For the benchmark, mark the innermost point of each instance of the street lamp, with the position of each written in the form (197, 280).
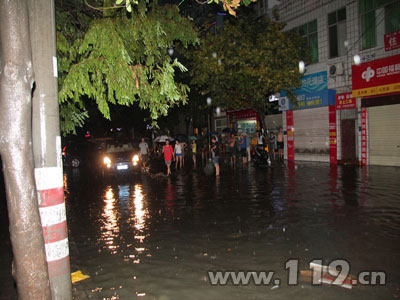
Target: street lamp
(357, 59)
(301, 66)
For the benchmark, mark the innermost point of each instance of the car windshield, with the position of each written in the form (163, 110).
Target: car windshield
(118, 147)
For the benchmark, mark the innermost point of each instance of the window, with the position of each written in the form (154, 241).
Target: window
(248, 126)
(220, 124)
(392, 17)
(376, 14)
(337, 33)
(309, 32)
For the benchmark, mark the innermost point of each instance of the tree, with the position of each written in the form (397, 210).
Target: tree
(123, 58)
(16, 82)
(229, 5)
(16, 89)
(249, 60)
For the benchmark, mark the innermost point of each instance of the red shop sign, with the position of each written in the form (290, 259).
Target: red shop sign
(381, 76)
(392, 41)
(364, 147)
(243, 114)
(345, 101)
(290, 134)
(332, 135)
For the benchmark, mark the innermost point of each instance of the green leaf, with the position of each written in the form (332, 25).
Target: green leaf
(122, 60)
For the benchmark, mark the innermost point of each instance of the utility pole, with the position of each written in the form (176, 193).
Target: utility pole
(47, 147)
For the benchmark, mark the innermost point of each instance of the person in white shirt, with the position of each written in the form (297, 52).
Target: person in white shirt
(178, 154)
(144, 152)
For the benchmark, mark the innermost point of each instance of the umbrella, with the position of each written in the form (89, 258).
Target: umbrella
(182, 138)
(192, 137)
(162, 138)
(229, 130)
(212, 133)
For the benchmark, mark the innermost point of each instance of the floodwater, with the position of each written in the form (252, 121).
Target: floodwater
(156, 237)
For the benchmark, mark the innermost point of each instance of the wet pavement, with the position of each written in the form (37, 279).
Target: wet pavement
(155, 237)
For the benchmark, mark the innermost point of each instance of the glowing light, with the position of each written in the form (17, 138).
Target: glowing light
(302, 67)
(139, 211)
(135, 158)
(107, 160)
(65, 180)
(110, 227)
(109, 194)
(170, 51)
(218, 111)
(209, 100)
(357, 59)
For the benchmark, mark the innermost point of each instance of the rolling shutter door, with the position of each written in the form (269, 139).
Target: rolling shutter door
(384, 136)
(311, 135)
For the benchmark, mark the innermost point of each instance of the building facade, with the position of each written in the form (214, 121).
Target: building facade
(348, 108)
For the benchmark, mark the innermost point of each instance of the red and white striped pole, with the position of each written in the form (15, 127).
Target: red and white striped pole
(47, 146)
(50, 187)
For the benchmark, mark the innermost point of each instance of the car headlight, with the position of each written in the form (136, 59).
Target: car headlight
(107, 160)
(135, 158)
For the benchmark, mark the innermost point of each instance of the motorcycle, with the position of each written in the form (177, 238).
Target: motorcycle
(261, 156)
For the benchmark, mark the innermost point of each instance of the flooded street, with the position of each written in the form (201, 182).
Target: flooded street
(156, 237)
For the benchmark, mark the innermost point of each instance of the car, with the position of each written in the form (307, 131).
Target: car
(120, 158)
(77, 153)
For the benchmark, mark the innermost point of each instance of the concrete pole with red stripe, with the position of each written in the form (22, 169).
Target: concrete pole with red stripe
(47, 147)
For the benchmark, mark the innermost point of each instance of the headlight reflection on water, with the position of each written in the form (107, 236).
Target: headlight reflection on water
(110, 227)
(140, 216)
(112, 212)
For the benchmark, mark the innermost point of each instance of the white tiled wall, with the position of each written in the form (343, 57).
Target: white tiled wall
(299, 12)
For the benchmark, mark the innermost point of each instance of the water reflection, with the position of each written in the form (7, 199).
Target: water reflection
(247, 219)
(139, 210)
(124, 210)
(350, 186)
(140, 215)
(170, 197)
(291, 184)
(110, 227)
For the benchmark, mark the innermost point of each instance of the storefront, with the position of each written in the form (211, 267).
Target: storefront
(246, 120)
(346, 132)
(307, 124)
(377, 84)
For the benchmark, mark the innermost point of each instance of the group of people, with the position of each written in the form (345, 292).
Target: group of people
(177, 154)
(275, 147)
(243, 145)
